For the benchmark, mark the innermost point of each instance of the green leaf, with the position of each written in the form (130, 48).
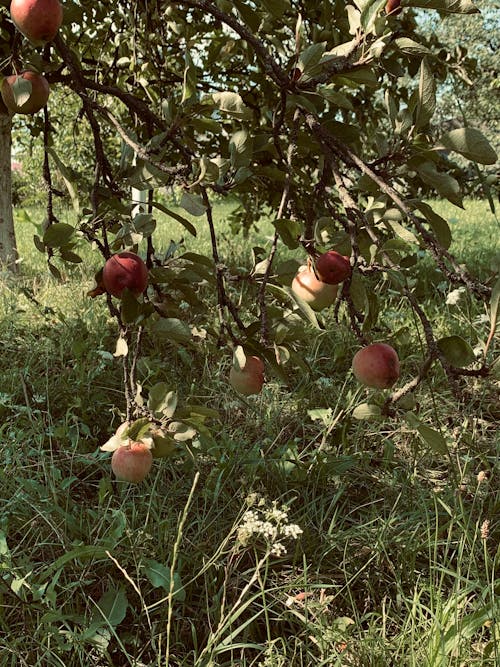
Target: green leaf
(58, 234)
(370, 12)
(160, 577)
(164, 446)
(68, 177)
(403, 232)
(439, 225)
(190, 78)
(470, 143)
(410, 47)
(426, 95)
(456, 350)
(21, 90)
(162, 400)
(130, 307)
(183, 221)
(239, 358)
(137, 429)
(367, 411)
(289, 231)
(443, 183)
(172, 329)
(232, 104)
(240, 149)
(113, 607)
(192, 204)
(432, 438)
(286, 294)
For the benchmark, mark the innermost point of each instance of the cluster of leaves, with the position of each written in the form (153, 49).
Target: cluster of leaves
(318, 114)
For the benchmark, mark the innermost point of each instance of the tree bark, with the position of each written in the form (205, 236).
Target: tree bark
(8, 247)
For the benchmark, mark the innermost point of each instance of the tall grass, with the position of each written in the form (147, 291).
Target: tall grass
(395, 565)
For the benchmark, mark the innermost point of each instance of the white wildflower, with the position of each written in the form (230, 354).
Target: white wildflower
(454, 297)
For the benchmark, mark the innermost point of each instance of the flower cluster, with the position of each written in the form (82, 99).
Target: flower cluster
(268, 524)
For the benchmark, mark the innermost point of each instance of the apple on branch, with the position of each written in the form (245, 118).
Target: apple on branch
(314, 292)
(25, 93)
(332, 267)
(38, 20)
(132, 459)
(376, 366)
(125, 270)
(247, 373)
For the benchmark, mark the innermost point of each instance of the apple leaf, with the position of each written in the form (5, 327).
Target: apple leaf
(239, 358)
(138, 429)
(426, 95)
(456, 350)
(121, 348)
(367, 411)
(446, 6)
(232, 104)
(163, 445)
(173, 214)
(470, 143)
(160, 577)
(162, 400)
(289, 231)
(172, 329)
(21, 90)
(182, 431)
(433, 438)
(192, 204)
(439, 225)
(443, 183)
(58, 234)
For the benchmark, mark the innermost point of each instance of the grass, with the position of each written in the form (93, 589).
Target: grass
(394, 565)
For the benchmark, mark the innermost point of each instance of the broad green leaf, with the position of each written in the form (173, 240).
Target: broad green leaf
(426, 95)
(232, 104)
(289, 231)
(121, 347)
(183, 221)
(58, 234)
(161, 399)
(138, 429)
(439, 225)
(163, 446)
(470, 143)
(456, 350)
(172, 329)
(130, 307)
(239, 358)
(182, 431)
(443, 183)
(403, 233)
(68, 177)
(192, 204)
(160, 577)
(309, 59)
(21, 91)
(113, 607)
(240, 149)
(412, 48)
(367, 411)
(370, 12)
(288, 296)
(433, 438)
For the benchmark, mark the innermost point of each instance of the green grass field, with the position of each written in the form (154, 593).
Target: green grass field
(294, 535)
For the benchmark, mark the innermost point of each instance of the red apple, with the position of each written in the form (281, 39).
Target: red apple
(125, 269)
(38, 20)
(250, 379)
(376, 365)
(332, 267)
(132, 462)
(37, 99)
(393, 7)
(316, 293)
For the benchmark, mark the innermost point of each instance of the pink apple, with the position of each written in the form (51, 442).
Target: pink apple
(38, 20)
(316, 293)
(376, 365)
(332, 267)
(250, 379)
(132, 462)
(125, 269)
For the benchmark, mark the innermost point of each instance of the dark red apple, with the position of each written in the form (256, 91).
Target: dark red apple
(125, 269)
(13, 92)
(38, 20)
(393, 7)
(250, 379)
(132, 462)
(316, 293)
(376, 365)
(332, 267)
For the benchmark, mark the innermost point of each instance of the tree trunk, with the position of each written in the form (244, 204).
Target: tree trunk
(8, 248)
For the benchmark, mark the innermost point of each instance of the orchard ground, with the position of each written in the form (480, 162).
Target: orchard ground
(397, 561)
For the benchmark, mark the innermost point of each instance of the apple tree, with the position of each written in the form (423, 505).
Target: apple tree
(318, 116)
